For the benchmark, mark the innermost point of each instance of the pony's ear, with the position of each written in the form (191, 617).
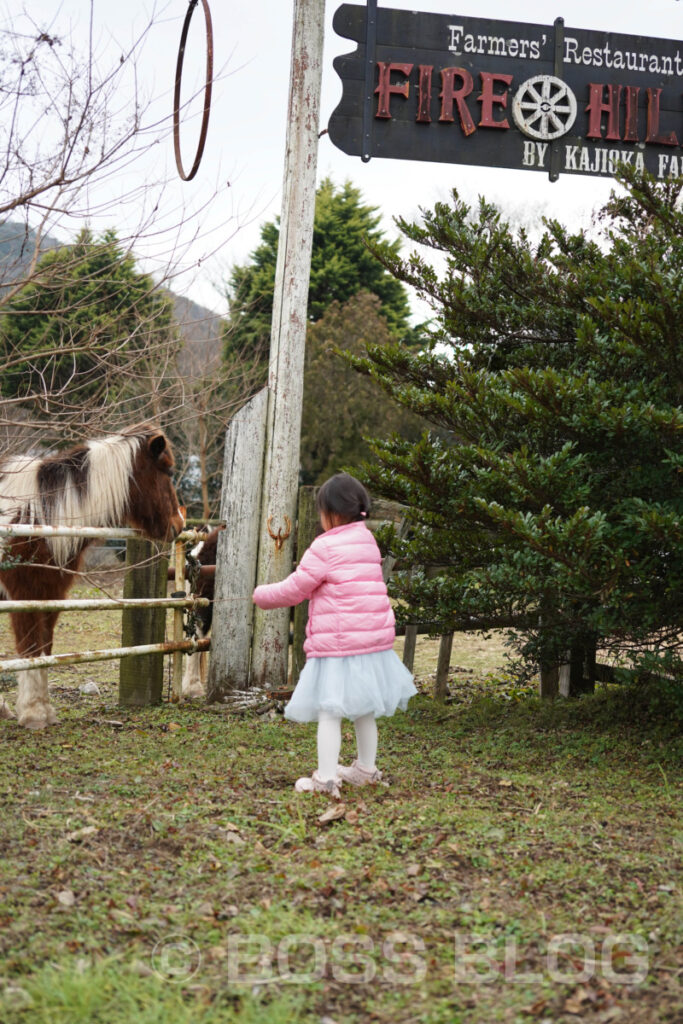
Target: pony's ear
(157, 445)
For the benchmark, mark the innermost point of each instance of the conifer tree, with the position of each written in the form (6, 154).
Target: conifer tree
(549, 495)
(89, 330)
(339, 410)
(341, 267)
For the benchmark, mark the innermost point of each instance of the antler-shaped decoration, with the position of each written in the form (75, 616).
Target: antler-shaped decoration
(280, 537)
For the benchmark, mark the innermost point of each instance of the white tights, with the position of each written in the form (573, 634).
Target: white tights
(329, 742)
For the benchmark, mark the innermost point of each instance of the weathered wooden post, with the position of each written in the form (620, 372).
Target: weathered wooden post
(307, 522)
(442, 666)
(141, 677)
(178, 622)
(548, 681)
(577, 674)
(288, 335)
(409, 645)
(237, 549)
(548, 672)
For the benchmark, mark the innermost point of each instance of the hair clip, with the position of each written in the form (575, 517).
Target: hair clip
(364, 514)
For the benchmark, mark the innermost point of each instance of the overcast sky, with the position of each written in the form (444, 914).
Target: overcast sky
(246, 139)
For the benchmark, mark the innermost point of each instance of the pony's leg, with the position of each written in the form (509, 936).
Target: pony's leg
(33, 702)
(193, 685)
(5, 709)
(33, 632)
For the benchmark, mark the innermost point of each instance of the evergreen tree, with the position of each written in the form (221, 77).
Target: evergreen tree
(341, 266)
(550, 501)
(88, 330)
(340, 411)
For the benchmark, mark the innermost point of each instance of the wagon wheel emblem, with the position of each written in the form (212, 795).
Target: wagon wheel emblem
(544, 107)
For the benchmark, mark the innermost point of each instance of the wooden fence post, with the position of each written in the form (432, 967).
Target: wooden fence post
(442, 666)
(548, 681)
(179, 556)
(409, 645)
(577, 675)
(141, 677)
(237, 549)
(548, 672)
(307, 522)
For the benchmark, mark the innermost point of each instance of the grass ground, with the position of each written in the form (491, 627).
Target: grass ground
(522, 865)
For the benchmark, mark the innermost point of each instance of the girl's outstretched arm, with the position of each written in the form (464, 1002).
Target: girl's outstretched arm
(299, 585)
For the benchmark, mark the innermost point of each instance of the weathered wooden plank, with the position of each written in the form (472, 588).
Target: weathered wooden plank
(236, 553)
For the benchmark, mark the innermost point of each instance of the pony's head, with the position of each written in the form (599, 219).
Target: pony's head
(152, 501)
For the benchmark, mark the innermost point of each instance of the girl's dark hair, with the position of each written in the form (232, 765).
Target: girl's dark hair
(345, 497)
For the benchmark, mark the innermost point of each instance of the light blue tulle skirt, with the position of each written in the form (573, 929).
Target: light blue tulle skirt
(350, 687)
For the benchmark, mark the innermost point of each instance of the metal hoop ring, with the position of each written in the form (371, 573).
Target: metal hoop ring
(207, 90)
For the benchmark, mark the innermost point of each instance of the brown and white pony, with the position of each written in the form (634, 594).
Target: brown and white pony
(120, 480)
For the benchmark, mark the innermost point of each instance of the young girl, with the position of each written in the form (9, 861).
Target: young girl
(351, 670)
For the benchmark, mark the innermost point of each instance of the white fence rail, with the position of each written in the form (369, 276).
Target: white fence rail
(101, 604)
(48, 660)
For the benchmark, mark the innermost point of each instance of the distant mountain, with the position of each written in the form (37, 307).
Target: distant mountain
(17, 246)
(200, 329)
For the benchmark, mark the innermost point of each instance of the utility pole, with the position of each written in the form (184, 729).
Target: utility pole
(288, 335)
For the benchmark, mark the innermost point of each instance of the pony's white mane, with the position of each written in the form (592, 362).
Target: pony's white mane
(108, 470)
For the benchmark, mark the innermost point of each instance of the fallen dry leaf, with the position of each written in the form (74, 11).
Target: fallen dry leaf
(66, 898)
(333, 813)
(232, 837)
(573, 1005)
(217, 953)
(82, 833)
(537, 1008)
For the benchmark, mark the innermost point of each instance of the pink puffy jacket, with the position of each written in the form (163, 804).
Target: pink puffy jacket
(349, 610)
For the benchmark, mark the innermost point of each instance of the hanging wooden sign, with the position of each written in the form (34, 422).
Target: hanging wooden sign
(455, 89)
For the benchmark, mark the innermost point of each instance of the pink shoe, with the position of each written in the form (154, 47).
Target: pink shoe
(315, 784)
(356, 775)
